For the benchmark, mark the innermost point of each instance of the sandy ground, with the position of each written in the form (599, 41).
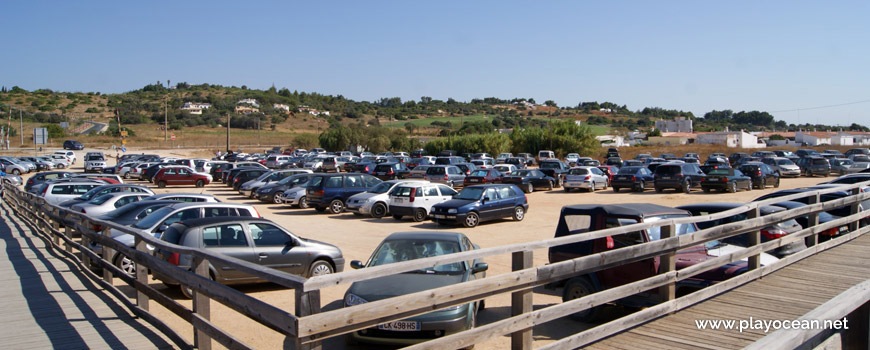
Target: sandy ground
(357, 237)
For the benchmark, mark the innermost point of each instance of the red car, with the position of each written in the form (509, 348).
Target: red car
(483, 176)
(180, 175)
(609, 170)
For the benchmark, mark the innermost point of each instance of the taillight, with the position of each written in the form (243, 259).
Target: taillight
(634, 178)
(30, 181)
(758, 173)
(446, 178)
(484, 180)
(318, 192)
(98, 228)
(413, 195)
(367, 169)
(773, 234)
(84, 212)
(44, 191)
(588, 177)
(174, 258)
(831, 231)
(391, 172)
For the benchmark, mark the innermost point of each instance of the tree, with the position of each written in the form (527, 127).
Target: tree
(776, 137)
(410, 127)
(54, 131)
(550, 103)
(654, 132)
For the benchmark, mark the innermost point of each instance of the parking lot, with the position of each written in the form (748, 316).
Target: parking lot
(358, 236)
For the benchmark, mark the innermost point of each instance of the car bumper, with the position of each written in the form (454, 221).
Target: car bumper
(668, 184)
(714, 185)
(790, 173)
(577, 184)
(429, 330)
(819, 171)
(403, 211)
(624, 184)
(449, 218)
(364, 208)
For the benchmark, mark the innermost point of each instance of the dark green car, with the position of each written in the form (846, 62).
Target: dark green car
(403, 246)
(726, 179)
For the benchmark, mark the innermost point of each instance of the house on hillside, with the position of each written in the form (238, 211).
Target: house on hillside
(247, 106)
(312, 111)
(194, 107)
(672, 138)
(679, 124)
(249, 101)
(740, 139)
(611, 141)
(281, 108)
(814, 138)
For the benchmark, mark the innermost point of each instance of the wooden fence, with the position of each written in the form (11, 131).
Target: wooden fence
(307, 325)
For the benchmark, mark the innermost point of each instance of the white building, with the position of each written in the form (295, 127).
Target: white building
(814, 138)
(611, 141)
(851, 138)
(195, 108)
(738, 139)
(281, 107)
(679, 124)
(249, 101)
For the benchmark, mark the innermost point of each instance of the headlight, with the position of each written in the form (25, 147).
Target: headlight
(351, 300)
(451, 211)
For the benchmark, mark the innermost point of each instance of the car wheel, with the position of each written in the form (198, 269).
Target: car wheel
(641, 187)
(659, 190)
(161, 184)
(763, 183)
(776, 184)
(379, 210)
(519, 213)
(277, 198)
(60, 166)
(732, 187)
(320, 268)
(616, 190)
(200, 183)
(420, 214)
(336, 206)
(550, 186)
(471, 220)
(530, 188)
(127, 265)
(592, 186)
(687, 187)
(451, 184)
(398, 217)
(127, 175)
(578, 288)
(16, 172)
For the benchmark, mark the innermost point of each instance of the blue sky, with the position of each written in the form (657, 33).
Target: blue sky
(689, 55)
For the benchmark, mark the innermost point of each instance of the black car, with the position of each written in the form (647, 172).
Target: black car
(614, 161)
(230, 176)
(73, 145)
(529, 179)
(478, 203)
(391, 171)
(247, 175)
(634, 177)
(838, 212)
(726, 179)
(734, 157)
(272, 192)
(761, 174)
(39, 178)
(824, 217)
(768, 233)
(806, 152)
(680, 177)
(813, 165)
(554, 168)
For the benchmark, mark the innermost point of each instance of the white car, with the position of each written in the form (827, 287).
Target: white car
(69, 155)
(60, 161)
(505, 168)
(502, 157)
(375, 202)
(588, 177)
(416, 199)
(56, 193)
(94, 162)
(572, 158)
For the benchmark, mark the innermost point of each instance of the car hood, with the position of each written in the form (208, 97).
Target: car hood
(401, 284)
(69, 203)
(364, 196)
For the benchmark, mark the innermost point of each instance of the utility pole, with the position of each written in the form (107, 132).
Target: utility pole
(258, 131)
(21, 126)
(165, 120)
(228, 132)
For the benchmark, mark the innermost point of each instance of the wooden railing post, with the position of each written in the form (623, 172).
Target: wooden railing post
(55, 232)
(521, 302)
(668, 263)
(853, 209)
(754, 239)
(813, 220)
(86, 260)
(68, 231)
(307, 303)
(107, 256)
(141, 276)
(201, 305)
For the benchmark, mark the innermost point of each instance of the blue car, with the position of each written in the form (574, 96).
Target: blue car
(331, 191)
(482, 203)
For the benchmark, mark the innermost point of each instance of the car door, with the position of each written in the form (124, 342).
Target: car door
(353, 184)
(183, 177)
(489, 207)
(446, 193)
(229, 239)
(278, 249)
(506, 201)
(599, 177)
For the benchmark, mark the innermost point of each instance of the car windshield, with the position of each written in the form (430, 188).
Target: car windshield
(578, 171)
(655, 233)
(153, 218)
(521, 173)
(382, 187)
(100, 199)
(820, 161)
(398, 250)
(479, 173)
(784, 162)
(470, 193)
(549, 165)
(629, 170)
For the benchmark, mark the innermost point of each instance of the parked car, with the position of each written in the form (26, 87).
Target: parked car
(421, 160)
(37, 179)
(12, 167)
(249, 188)
(41, 164)
(502, 157)
(609, 171)
(403, 246)
(784, 166)
(692, 155)
(94, 162)
(813, 165)
(572, 158)
(588, 177)
(580, 219)
(449, 175)
(864, 151)
(529, 179)
(841, 166)
(517, 162)
(332, 191)
(335, 164)
(680, 177)
(634, 177)
(180, 176)
(256, 240)
(859, 158)
(478, 203)
(417, 199)
(69, 155)
(417, 153)
(823, 217)
(391, 171)
(554, 168)
(107, 202)
(763, 154)
(60, 162)
(183, 197)
(735, 157)
(530, 159)
(449, 160)
(545, 155)
(484, 163)
(105, 189)
(838, 212)
(275, 161)
(73, 145)
(786, 154)
(761, 174)
(726, 179)
(376, 201)
(506, 168)
(58, 192)
(807, 153)
(614, 161)
(668, 156)
(768, 233)
(247, 175)
(419, 172)
(111, 178)
(483, 176)
(229, 176)
(633, 162)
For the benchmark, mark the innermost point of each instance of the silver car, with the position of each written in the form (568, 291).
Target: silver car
(249, 189)
(12, 167)
(375, 201)
(184, 197)
(784, 166)
(60, 161)
(449, 175)
(102, 204)
(56, 193)
(588, 177)
(295, 196)
(841, 166)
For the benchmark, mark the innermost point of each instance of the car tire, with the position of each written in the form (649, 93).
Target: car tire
(763, 183)
(379, 210)
(592, 186)
(659, 190)
(732, 187)
(471, 220)
(320, 268)
(336, 206)
(776, 184)
(686, 187)
(398, 217)
(161, 184)
(641, 187)
(578, 288)
(60, 166)
(126, 265)
(530, 188)
(519, 213)
(126, 175)
(200, 183)
(16, 172)
(420, 215)
(550, 186)
(616, 190)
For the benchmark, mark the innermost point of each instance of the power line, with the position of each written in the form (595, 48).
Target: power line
(820, 107)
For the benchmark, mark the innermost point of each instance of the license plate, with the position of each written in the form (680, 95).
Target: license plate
(473, 180)
(666, 177)
(439, 216)
(382, 173)
(400, 326)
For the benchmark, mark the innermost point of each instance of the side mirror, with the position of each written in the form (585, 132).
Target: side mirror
(162, 228)
(480, 267)
(357, 264)
(483, 201)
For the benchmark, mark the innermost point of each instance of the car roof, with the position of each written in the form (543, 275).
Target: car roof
(426, 235)
(222, 219)
(181, 205)
(625, 209)
(723, 206)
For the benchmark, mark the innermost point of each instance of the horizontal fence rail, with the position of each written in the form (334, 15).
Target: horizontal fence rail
(307, 325)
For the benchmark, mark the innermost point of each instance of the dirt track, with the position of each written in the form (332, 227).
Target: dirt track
(357, 237)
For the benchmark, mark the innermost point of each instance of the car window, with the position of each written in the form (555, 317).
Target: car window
(333, 182)
(82, 189)
(268, 235)
(435, 171)
(230, 235)
(61, 190)
(353, 181)
(490, 194)
(431, 191)
(169, 171)
(626, 239)
(446, 191)
(216, 212)
(504, 192)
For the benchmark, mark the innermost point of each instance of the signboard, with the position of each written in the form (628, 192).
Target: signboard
(172, 136)
(123, 141)
(40, 136)
(124, 133)
(64, 125)
(123, 149)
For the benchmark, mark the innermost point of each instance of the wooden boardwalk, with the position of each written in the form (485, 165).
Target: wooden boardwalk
(47, 303)
(786, 294)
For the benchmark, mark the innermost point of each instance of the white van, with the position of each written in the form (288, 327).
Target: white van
(545, 155)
